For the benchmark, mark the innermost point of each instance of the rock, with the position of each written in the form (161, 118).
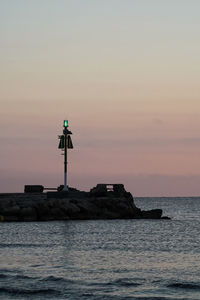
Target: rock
(59, 214)
(102, 202)
(99, 191)
(28, 214)
(119, 189)
(72, 210)
(11, 218)
(43, 212)
(151, 214)
(11, 211)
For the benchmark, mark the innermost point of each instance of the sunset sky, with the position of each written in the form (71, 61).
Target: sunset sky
(125, 73)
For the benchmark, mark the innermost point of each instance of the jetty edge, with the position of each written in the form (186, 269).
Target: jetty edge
(99, 203)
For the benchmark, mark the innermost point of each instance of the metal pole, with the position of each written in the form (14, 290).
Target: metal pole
(65, 164)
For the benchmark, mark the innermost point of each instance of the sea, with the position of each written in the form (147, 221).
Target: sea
(105, 259)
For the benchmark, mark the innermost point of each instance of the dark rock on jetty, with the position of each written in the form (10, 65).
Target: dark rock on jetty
(101, 202)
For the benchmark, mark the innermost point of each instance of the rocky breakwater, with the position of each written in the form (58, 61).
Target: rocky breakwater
(99, 203)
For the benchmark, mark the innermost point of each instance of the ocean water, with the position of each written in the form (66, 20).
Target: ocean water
(105, 259)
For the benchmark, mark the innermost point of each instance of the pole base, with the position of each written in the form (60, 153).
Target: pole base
(65, 189)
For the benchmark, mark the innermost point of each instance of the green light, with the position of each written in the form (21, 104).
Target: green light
(65, 123)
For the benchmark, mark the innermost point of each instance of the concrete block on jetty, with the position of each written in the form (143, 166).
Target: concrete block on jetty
(104, 201)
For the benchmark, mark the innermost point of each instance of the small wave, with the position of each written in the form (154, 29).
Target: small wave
(60, 279)
(86, 296)
(125, 282)
(18, 245)
(121, 271)
(36, 266)
(180, 285)
(117, 282)
(17, 291)
(16, 276)
(10, 270)
(156, 298)
(121, 282)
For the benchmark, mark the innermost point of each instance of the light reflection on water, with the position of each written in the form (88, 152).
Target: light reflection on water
(106, 259)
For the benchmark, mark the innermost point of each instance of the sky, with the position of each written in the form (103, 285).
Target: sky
(125, 73)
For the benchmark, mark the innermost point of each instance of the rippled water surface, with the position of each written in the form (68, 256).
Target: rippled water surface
(106, 259)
